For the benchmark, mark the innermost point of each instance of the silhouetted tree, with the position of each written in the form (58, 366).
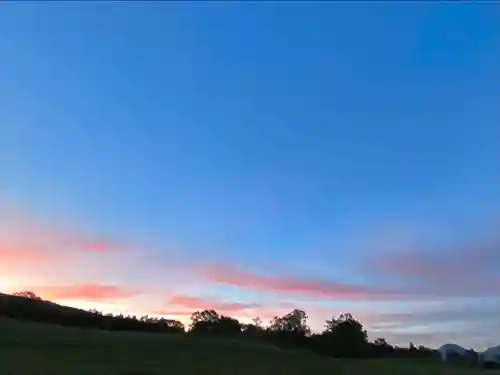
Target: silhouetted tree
(205, 316)
(290, 330)
(343, 336)
(228, 326)
(380, 348)
(174, 325)
(210, 322)
(346, 336)
(27, 294)
(380, 342)
(295, 321)
(253, 330)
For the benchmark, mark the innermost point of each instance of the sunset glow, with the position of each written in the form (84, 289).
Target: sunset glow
(168, 158)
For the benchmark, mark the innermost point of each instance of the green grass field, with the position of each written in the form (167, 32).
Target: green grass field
(30, 348)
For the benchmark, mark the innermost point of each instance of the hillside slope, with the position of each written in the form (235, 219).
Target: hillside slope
(36, 309)
(28, 348)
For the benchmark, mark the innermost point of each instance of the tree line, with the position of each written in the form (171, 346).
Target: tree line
(343, 336)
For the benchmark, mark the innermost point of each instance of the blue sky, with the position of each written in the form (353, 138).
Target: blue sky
(298, 139)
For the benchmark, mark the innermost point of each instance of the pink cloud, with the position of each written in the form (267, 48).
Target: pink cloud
(182, 306)
(84, 292)
(59, 262)
(14, 255)
(195, 303)
(465, 268)
(85, 243)
(182, 315)
(27, 240)
(97, 247)
(293, 286)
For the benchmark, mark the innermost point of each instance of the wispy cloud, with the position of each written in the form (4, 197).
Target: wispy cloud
(467, 268)
(14, 254)
(58, 261)
(471, 325)
(87, 243)
(26, 240)
(85, 292)
(182, 306)
(240, 278)
(470, 313)
(195, 303)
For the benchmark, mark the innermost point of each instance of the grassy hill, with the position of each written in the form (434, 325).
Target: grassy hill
(28, 348)
(35, 348)
(19, 307)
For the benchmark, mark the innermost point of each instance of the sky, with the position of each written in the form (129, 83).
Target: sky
(164, 157)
